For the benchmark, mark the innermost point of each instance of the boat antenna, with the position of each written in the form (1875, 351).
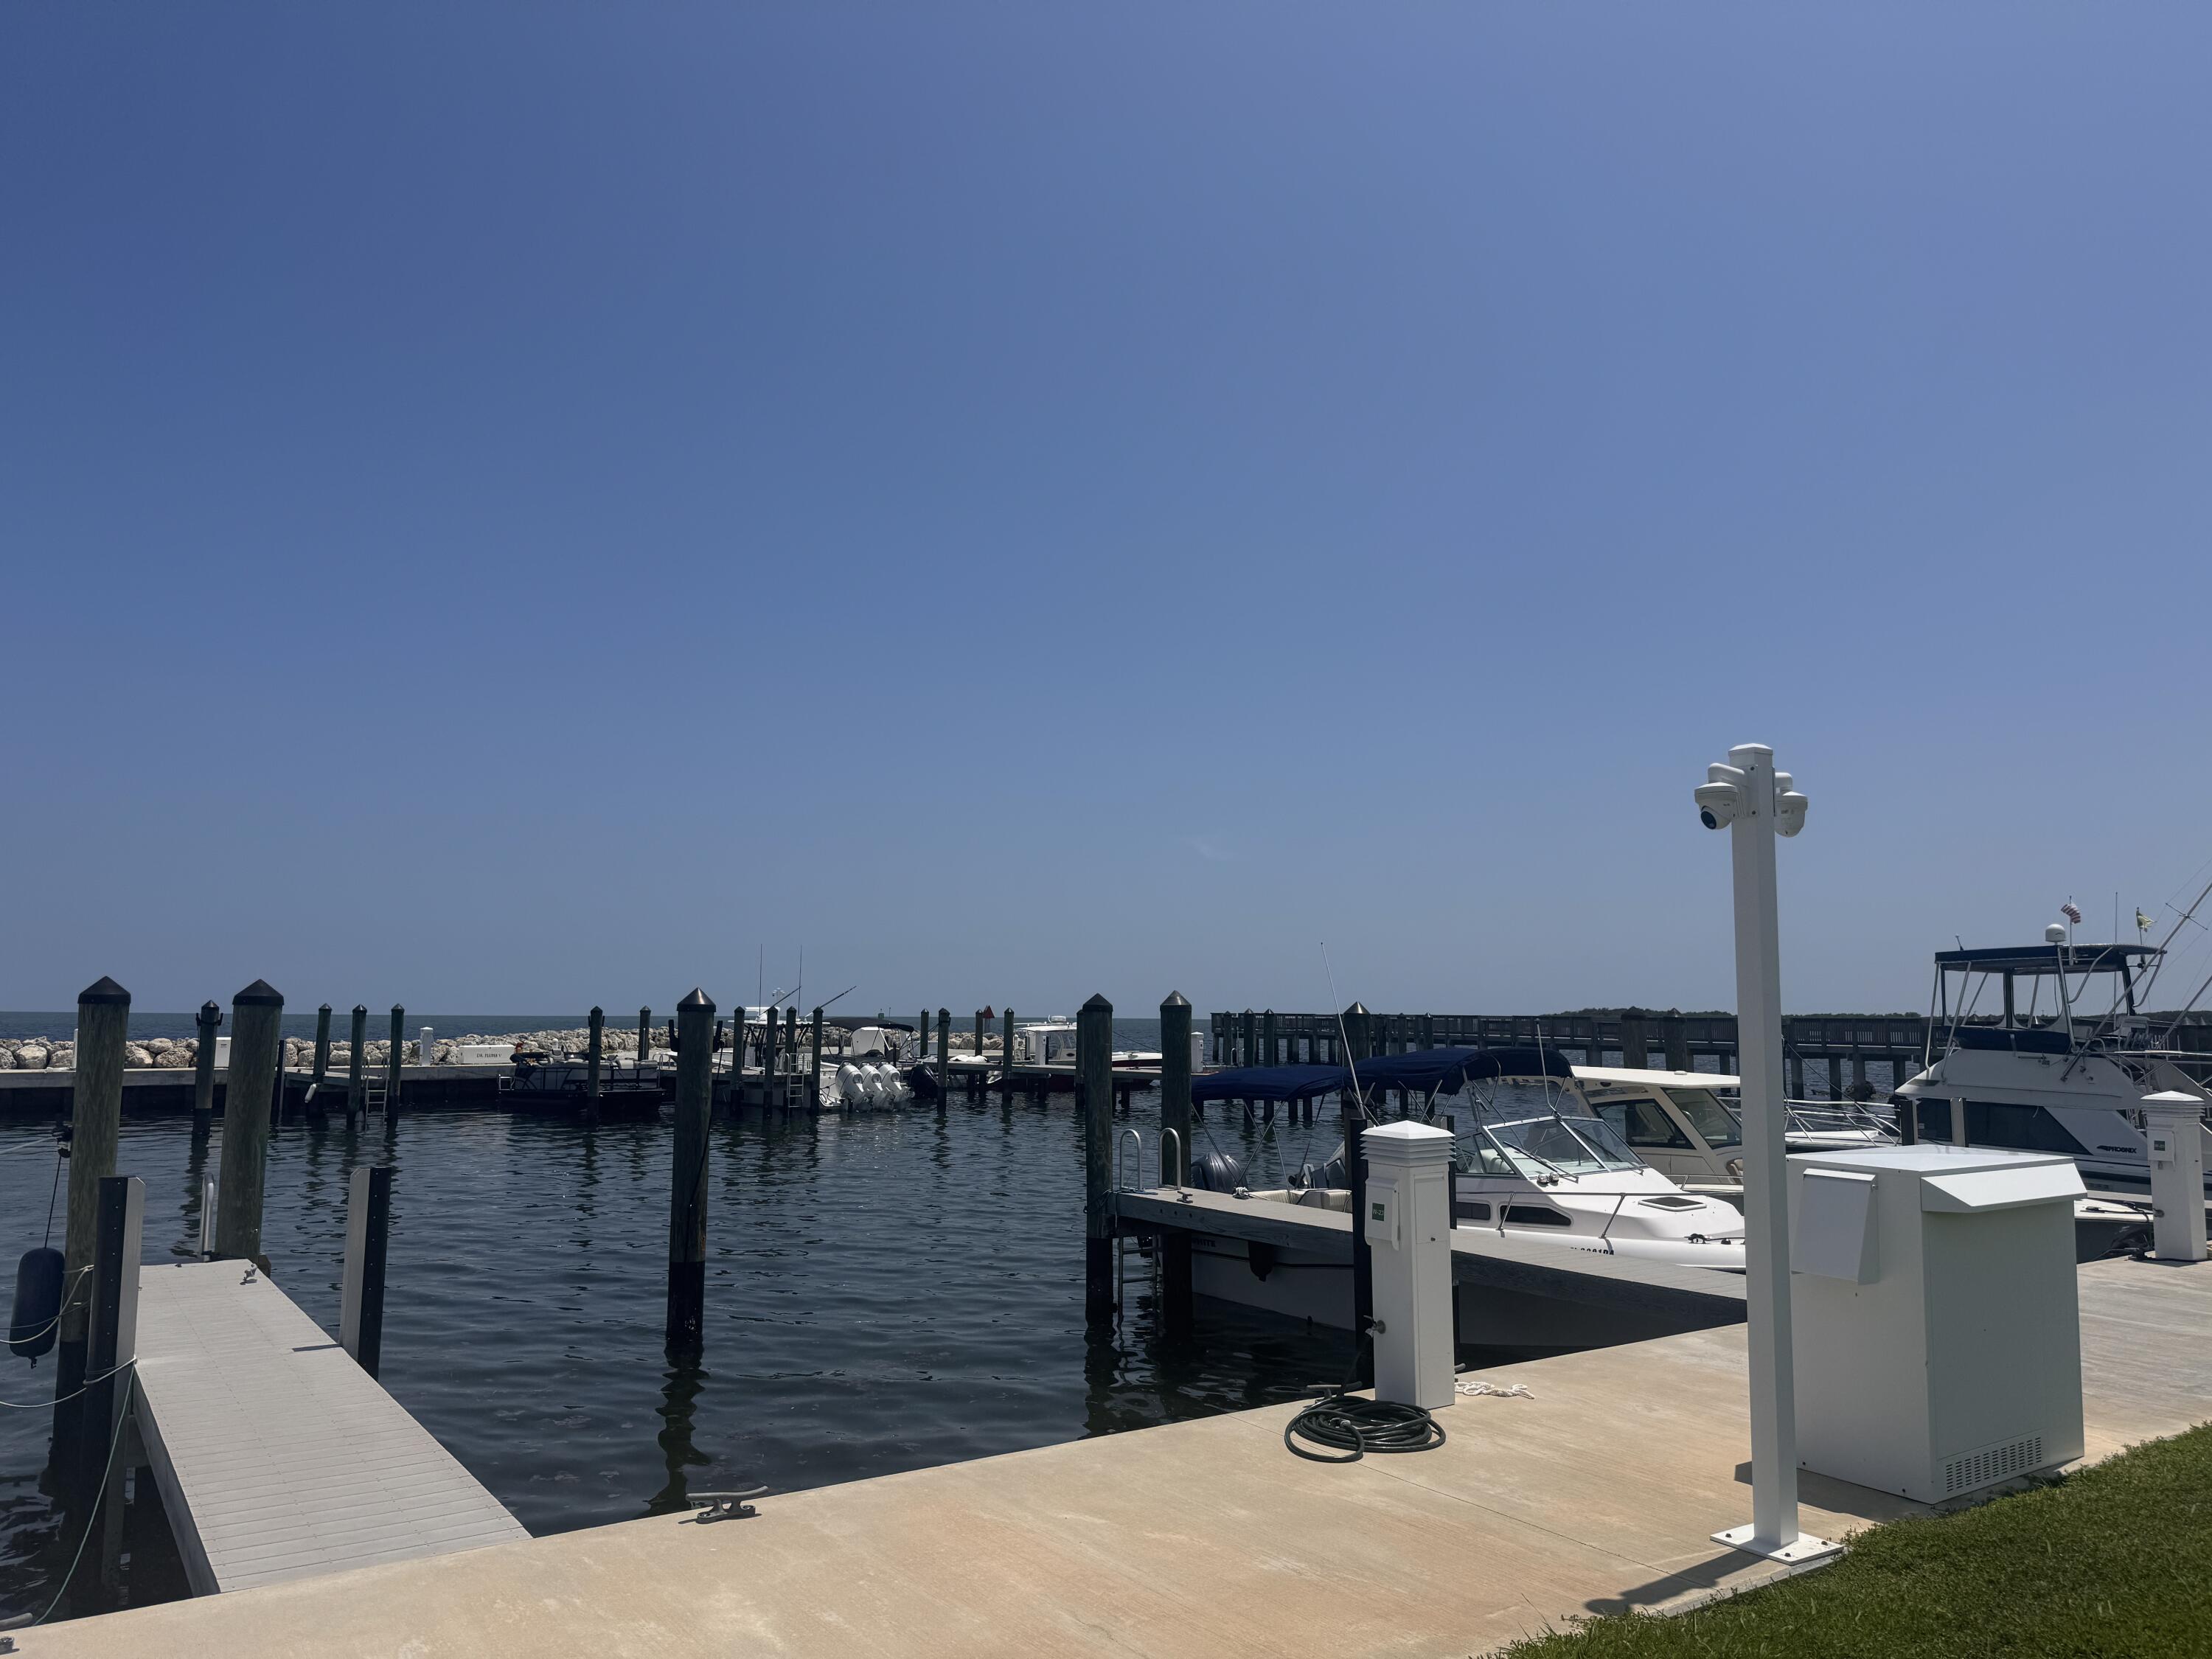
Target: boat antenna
(2142, 991)
(1342, 1036)
(846, 992)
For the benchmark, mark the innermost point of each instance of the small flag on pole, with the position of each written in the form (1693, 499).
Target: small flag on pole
(2071, 911)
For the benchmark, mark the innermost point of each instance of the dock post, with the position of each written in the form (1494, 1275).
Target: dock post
(768, 1056)
(322, 1048)
(257, 1048)
(113, 1346)
(391, 1061)
(977, 1078)
(687, 1198)
(1674, 1032)
(1357, 1041)
(103, 1027)
(1007, 1051)
(1094, 1081)
(644, 1040)
(1273, 1054)
(1634, 1040)
(209, 1022)
(595, 1052)
(357, 1063)
(790, 1051)
(1251, 1039)
(1175, 1116)
(361, 1296)
(944, 1054)
(814, 1070)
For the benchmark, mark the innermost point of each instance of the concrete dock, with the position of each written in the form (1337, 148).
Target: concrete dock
(1203, 1538)
(276, 1455)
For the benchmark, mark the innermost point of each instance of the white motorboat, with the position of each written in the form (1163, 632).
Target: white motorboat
(1531, 1162)
(2050, 1077)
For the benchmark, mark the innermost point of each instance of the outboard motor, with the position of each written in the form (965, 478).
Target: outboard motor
(38, 1311)
(1217, 1172)
(850, 1089)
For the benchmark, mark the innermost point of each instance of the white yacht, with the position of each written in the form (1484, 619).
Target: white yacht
(1688, 1125)
(2052, 1076)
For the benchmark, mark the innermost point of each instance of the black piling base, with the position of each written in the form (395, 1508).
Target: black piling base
(1098, 1276)
(687, 1306)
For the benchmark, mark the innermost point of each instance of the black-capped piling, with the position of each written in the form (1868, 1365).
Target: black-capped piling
(943, 1053)
(687, 1199)
(391, 1061)
(357, 1068)
(595, 1053)
(814, 1063)
(207, 1023)
(1174, 1153)
(1357, 1046)
(1094, 1083)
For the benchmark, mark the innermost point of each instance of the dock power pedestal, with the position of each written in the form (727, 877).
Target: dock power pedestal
(1408, 1224)
(2173, 1132)
(1938, 1333)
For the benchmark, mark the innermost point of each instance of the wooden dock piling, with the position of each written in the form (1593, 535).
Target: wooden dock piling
(1175, 1157)
(356, 1064)
(1357, 1045)
(943, 1053)
(814, 1063)
(103, 1029)
(209, 1022)
(595, 1054)
(644, 1040)
(790, 1052)
(768, 1057)
(112, 1344)
(1007, 1051)
(361, 1296)
(256, 1052)
(687, 1199)
(322, 1071)
(1094, 1083)
(395, 1060)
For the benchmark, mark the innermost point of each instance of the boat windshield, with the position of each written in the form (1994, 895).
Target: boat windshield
(1550, 1144)
(1717, 1126)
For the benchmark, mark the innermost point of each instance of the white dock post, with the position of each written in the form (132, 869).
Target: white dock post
(1407, 1225)
(1756, 803)
(2171, 1124)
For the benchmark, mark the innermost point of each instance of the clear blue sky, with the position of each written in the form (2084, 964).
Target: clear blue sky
(512, 505)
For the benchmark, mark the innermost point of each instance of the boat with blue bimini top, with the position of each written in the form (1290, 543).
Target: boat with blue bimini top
(2050, 1076)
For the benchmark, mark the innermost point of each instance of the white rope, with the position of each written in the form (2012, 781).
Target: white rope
(92, 1520)
(41, 1405)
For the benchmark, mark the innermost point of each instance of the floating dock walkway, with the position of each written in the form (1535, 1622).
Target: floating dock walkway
(1194, 1540)
(277, 1456)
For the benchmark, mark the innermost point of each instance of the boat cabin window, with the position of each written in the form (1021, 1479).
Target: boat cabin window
(1536, 1215)
(1563, 1146)
(1934, 1120)
(1717, 1126)
(2029, 1129)
(1648, 1125)
(1472, 1209)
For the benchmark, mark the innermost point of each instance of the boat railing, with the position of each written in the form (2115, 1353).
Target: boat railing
(1813, 1117)
(1125, 1136)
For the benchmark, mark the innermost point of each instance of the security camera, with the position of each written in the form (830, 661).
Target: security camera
(1789, 812)
(1718, 803)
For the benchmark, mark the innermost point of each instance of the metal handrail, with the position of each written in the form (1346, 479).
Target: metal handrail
(1167, 1135)
(1126, 1134)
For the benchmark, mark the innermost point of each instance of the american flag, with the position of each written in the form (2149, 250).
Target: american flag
(2071, 911)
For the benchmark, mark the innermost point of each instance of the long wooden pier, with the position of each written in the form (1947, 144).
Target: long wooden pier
(1194, 1540)
(1881, 1050)
(277, 1456)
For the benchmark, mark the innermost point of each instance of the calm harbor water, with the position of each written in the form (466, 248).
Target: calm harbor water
(884, 1292)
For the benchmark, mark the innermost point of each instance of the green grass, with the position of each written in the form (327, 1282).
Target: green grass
(2113, 1563)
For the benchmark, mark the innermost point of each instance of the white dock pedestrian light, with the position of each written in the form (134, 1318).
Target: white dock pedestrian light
(1756, 803)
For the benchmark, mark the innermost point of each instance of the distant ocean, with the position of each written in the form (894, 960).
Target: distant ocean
(1128, 1033)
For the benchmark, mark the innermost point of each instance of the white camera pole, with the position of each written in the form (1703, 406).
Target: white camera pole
(1757, 804)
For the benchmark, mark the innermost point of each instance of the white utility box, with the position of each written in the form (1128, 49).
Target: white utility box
(2173, 1132)
(1938, 1332)
(1408, 1224)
